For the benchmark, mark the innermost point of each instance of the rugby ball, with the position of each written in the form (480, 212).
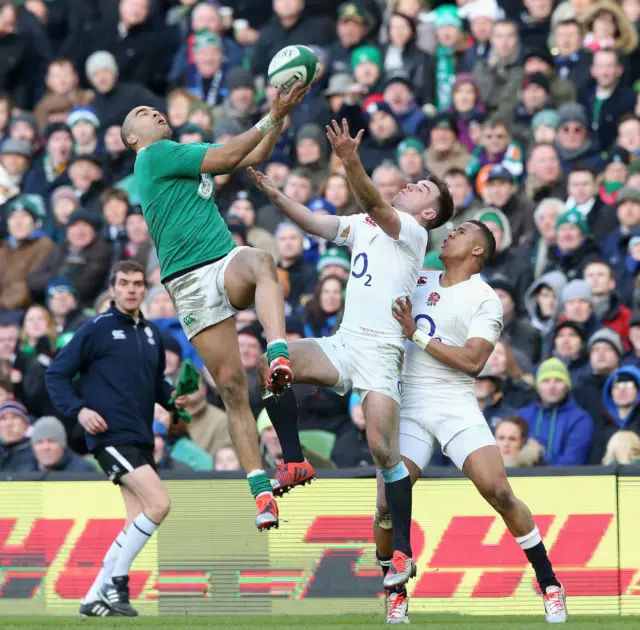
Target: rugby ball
(293, 64)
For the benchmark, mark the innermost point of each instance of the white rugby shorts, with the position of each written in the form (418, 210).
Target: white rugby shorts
(200, 296)
(364, 364)
(443, 414)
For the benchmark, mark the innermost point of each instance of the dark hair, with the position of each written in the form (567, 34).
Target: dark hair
(445, 207)
(570, 22)
(507, 21)
(626, 118)
(597, 260)
(126, 267)
(519, 422)
(62, 61)
(316, 314)
(489, 241)
(113, 193)
(533, 147)
(583, 168)
(6, 384)
(454, 171)
(498, 121)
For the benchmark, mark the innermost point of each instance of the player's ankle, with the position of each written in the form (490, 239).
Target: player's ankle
(276, 349)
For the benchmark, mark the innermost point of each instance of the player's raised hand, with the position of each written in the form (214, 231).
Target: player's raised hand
(262, 182)
(343, 144)
(91, 421)
(402, 314)
(284, 103)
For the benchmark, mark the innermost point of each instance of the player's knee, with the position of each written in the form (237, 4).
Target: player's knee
(232, 386)
(382, 454)
(159, 508)
(500, 497)
(263, 264)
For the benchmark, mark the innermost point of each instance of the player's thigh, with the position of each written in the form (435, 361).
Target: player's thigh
(218, 347)
(416, 437)
(311, 365)
(147, 486)
(243, 273)
(485, 468)
(382, 415)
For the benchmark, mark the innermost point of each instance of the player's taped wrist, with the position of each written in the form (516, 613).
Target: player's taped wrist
(266, 124)
(421, 339)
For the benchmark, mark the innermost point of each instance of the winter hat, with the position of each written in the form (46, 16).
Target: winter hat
(236, 226)
(339, 84)
(64, 192)
(27, 117)
(189, 128)
(100, 60)
(239, 78)
(535, 78)
(285, 225)
(52, 128)
(84, 215)
(577, 289)
(49, 428)
(171, 344)
(227, 128)
(625, 377)
(466, 77)
(553, 368)
(573, 217)
(573, 112)
(619, 155)
(311, 131)
(320, 203)
(444, 120)
(504, 284)
(410, 143)
(83, 113)
(481, 8)
(12, 146)
(575, 326)
(32, 204)
(432, 261)
(541, 52)
(628, 193)
(206, 39)
(499, 172)
(366, 54)
(351, 11)
(606, 335)
(446, 15)
(280, 157)
(334, 256)
(87, 157)
(378, 106)
(59, 285)
(546, 118)
(13, 406)
(293, 324)
(492, 216)
(397, 76)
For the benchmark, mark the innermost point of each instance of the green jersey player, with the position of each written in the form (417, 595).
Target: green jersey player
(208, 277)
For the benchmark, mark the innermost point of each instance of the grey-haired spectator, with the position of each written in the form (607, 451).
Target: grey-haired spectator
(24, 127)
(49, 444)
(84, 124)
(50, 173)
(23, 251)
(388, 180)
(444, 152)
(63, 202)
(539, 244)
(15, 446)
(240, 102)
(544, 126)
(543, 301)
(573, 141)
(63, 305)
(15, 158)
(301, 274)
(83, 258)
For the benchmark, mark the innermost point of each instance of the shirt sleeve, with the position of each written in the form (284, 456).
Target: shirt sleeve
(487, 321)
(171, 159)
(349, 223)
(413, 237)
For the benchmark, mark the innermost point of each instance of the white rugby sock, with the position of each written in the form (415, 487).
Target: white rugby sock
(530, 540)
(138, 535)
(107, 567)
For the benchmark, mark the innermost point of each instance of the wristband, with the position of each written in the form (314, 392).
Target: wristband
(421, 339)
(266, 124)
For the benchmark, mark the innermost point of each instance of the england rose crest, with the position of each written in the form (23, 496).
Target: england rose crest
(434, 298)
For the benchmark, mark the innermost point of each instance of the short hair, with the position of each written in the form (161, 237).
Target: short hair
(548, 145)
(124, 132)
(626, 118)
(300, 171)
(498, 121)
(611, 51)
(62, 61)
(519, 422)
(506, 22)
(489, 241)
(598, 260)
(387, 165)
(446, 207)
(569, 22)
(583, 168)
(454, 171)
(126, 267)
(113, 193)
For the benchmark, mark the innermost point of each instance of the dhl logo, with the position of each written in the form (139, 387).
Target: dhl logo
(23, 567)
(345, 545)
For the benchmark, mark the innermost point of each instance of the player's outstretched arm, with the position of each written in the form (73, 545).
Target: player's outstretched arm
(228, 157)
(469, 359)
(323, 226)
(364, 190)
(264, 150)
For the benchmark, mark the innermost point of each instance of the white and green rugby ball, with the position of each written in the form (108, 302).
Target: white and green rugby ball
(293, 64)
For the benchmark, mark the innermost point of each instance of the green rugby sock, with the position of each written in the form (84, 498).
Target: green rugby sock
(277, 348)
(258, 482)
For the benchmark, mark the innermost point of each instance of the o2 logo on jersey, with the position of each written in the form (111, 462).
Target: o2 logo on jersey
(205, 190)
(432, 325)
(361, 260)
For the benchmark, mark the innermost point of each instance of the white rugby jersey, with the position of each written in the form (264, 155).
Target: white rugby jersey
(382, 270)
(451, 315)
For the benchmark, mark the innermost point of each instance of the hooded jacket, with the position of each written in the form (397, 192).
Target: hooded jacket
(565, 431)
(556, 281)
(627, 38)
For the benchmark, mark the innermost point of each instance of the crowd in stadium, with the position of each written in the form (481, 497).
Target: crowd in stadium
(528, 110)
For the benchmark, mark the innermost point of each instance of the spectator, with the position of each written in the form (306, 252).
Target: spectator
(208, 426)
(118, 161)
(384, 134)
(24, 127)
(162, 451)
(64, 202)
(505, 363)
(301, 274)
(607, 306)
(500, 74)
(336, 191)
(578, 306)
(311, 152)
(334, 262)
(620, 401)
(84, 125)
(289, 26)
(481, 15)
(86, 174)
(15, 55)
(572, 61)
(83, 259)
(63, 306)
(16, 455)
(556, 422)
(608, 27)
(539, 244)
(114, 208)
(444, 152)
(489, 390)
(252, 345)
(544, 126)
(615, 175)
(633, 356)
(226, 459)
(539, 59)
(543, 301)
(629, 135)
(614, 246)
(49, 443)
(534, 98)
(242, 208)
(511, 437)
(352, 30)
(574, 143)
(388, 180)
(240, 102)
(15, 158)
(322, 311)
(545, 177)
(114, 99)
(297, 186)
(605, 350)
(568, 343)
(366, 66)
(466, 105)
(22, 252)
(399, 94)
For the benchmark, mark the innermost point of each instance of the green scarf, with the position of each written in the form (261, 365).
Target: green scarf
(611, 187)
(445, 75)
(188, 383)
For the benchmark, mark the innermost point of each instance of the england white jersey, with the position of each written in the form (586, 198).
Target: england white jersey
(382, 270)
(451, 315)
